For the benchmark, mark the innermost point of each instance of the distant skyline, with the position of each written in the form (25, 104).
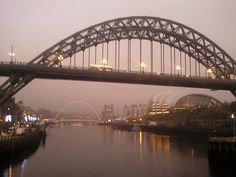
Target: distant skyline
(33, 26)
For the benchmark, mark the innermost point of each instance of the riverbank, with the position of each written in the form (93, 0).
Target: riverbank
(222, 156)
(12, 145)
(171, 131)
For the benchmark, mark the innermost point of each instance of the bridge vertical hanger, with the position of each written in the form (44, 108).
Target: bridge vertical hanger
(129, 55)
(199, 69)
(180, 62)
(190, 65)
(174, 62)
(161, 56)
(102, 51)
(140, 54)
(185, 64)
(107, 52)
(151, 55)
(89, 57)
(75, 60)
(118, 55)
(70, 61)
(195, 68)
(83, 59)
(171, 69)
(115, 55)
(95, 58)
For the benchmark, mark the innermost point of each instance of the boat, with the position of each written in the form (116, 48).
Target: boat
(12, 144)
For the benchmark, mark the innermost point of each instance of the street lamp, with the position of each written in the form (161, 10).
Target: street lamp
(12, 54)
(178, 69)
(209, 71)
(232, 116)
(143, 65)
(104, 61)
(60, 58)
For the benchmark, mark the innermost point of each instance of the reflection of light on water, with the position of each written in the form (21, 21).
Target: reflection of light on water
(23, 167)
(61, 125)
(159, 144)
(140, 138)
(192, 152)
(141, 148)
(76, 125)
(8, 172)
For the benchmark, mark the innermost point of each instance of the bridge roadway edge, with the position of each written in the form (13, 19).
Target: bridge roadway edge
(43, 72)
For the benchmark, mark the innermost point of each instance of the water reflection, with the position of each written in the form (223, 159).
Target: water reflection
(19, 161)
(96, 151)
(165, 152)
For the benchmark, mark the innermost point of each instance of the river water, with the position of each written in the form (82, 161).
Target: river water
(99, 151)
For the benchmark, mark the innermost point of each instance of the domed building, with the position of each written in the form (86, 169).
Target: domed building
(195, 100)
(163, 103)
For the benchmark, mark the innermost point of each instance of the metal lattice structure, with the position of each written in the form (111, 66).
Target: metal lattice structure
(168, 32)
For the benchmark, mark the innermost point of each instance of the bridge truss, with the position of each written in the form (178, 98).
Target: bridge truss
(174, 48)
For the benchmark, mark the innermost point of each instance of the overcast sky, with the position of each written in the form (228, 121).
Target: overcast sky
(34, 25)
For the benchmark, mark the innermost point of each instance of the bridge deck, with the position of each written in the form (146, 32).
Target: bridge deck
(78, 73)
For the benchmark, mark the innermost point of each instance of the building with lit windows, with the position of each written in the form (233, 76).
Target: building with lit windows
(135, 110)
(108, 112)
(158, 107)
(167, 102)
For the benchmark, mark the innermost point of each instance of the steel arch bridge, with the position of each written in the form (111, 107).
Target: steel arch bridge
(196, 54)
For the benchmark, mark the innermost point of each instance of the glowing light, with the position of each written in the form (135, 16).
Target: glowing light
(60, 57)
(26, 118)
(143, 65)
(12, 54)
(209, 70)
(178, 68)
(8, 118)
(104, 61)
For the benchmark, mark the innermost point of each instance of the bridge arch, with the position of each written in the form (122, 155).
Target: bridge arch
(174, 34)
(191, 45)
(76, 102)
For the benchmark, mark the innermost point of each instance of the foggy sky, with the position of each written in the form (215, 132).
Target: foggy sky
(32, 26)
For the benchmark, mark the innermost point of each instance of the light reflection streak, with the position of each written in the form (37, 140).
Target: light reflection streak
(141, 148)
(23, 167)
(8, 172)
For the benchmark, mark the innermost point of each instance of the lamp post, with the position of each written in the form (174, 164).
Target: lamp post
(232, 116)
(143, 65)
(60, 58)
(12, 54)
(209, 71)
(178, 69)
(104, 61)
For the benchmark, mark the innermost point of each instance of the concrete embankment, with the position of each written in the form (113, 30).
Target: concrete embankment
(222, 156)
